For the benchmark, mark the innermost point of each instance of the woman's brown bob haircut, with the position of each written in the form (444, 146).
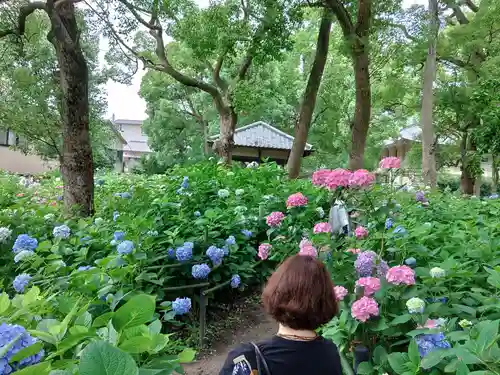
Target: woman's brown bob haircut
(300, 295)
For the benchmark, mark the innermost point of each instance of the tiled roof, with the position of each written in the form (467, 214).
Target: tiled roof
(128, 122)
(262, 135)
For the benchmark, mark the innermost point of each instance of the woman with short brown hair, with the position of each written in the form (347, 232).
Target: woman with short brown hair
(300, 297)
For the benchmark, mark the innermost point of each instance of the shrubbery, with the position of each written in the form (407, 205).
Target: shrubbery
(418, 281)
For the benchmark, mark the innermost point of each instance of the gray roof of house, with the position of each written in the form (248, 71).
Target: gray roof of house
(262, 135)
(414, 133)
(127, 122)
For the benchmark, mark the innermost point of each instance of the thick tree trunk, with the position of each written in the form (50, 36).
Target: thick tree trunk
(224, 146)
(77, 167)
(428, 152)
(206, 148)
(361, 64)
(310, 94)
(494, 173)
(467, 180)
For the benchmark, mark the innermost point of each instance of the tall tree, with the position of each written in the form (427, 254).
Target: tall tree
(356, 34)
(224, 41)
(310, 94)
(426, 116)
(76, 163)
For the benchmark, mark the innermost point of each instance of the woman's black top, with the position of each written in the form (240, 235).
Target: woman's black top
(286, 357)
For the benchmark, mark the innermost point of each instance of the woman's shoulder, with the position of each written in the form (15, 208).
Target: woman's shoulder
(239, 361)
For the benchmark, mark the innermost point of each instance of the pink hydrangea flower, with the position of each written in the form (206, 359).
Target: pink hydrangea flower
(390, 163)
(275, 218)
(340, 292)
(361, 232)
(296, 200)
(361, 178)
(354, 251)
(307, 248)
(431, 323)
(264, 249)
(364, 308)
(322, 228)
(401, 275)
(319, 177)
(338, 178)
(370, 285)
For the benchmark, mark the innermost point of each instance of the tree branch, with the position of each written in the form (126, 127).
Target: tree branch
(472, 6)
(403, 29)
(343, 16)
(457, 12)
(216, 71)
(138, 17)
(24, 12)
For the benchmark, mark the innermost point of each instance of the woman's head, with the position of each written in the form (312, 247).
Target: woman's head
(300, 295)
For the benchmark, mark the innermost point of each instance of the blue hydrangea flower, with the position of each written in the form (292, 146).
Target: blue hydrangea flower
(248, 234)
(21, 282)
(197, 213)
(19, 339)
(200, 271)
(493, 196)
(61, 231)
(84, 268)
(24, 242)
(231, 241)
(388, 223)
(118, 236)
(181, 306)
(184, 253)
(100, 182)
(23, 254)
(436, 300)
(171, 253)
(185, 182)
(85, 239)
(116, 215)
(59, 197)
(125, 195)
(235, 281)
(125, 247)
(189, 245)
(411, 262)
(399, 230)
(152, 233)
(429, 343)
(225, 248)
(215, 254)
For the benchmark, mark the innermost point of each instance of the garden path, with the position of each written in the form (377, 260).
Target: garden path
(255, 326)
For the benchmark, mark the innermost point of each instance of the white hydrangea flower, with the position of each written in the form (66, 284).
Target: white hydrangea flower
(4, 234)
(223, 193)
(321, 212)
(437, 273)
(22, 255)
(49, 217)
(239, 192)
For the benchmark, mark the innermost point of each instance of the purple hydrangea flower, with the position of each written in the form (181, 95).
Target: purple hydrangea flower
(181, 306)
(185, 182)
(231, 241)
(171, 253)
(116, 215)
(21, 282)
(420, 196)
(364, 263)
(200, 271)
(235, 281)
(19, 339)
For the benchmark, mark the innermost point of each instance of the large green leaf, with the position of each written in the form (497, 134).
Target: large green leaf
(101, 358)
(27, 352)
(187, 355)
(39, 369)
(138, 310)
(136, 345)
(398, 362)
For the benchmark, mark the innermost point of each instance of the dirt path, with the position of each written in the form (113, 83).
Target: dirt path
(255, 326)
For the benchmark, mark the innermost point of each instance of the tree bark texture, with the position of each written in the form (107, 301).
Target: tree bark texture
(426, 117)
(495, 164)
(467, 180)
(227, 123)
(77, 165)
(310, 95)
